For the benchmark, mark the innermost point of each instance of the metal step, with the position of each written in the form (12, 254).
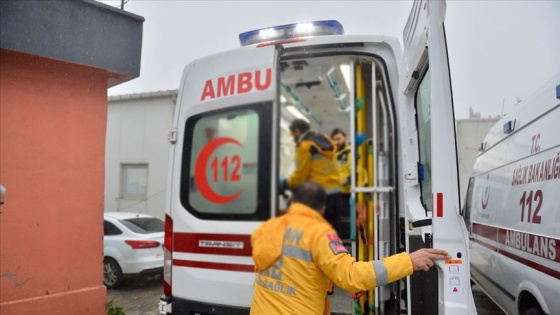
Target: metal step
(341, 302)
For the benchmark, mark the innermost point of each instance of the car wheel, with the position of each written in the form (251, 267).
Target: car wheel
(112, 273)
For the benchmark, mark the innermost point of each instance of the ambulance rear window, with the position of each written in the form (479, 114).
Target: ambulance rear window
(226, 163)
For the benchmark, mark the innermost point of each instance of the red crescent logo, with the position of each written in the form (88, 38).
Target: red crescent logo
(200, 172)
(484, 204)
(485, 195)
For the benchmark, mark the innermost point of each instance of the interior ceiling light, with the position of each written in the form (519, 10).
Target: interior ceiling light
(294, 111)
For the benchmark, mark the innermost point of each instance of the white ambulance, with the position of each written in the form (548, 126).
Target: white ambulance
(513, 207)
(230, 147)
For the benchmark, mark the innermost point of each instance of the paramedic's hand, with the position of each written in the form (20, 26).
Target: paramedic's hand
(423, 259)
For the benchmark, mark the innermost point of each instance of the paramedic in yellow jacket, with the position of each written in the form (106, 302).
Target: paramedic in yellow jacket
(314, 162)
(297, 255)
(342, 158)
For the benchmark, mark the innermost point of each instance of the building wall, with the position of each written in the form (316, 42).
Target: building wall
(137, 131)
(470, 134)
(52, 138)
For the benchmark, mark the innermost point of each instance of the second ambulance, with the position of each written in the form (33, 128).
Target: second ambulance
(512, 209)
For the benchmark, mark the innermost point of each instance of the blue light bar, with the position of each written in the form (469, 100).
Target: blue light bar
(317, 28)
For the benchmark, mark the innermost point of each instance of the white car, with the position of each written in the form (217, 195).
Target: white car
(132, 246)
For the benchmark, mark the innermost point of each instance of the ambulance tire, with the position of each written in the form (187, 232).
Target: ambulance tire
(532, 310)
(112, 273)
(528, 305)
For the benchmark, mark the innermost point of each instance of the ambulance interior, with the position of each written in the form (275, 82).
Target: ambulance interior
(351, 93)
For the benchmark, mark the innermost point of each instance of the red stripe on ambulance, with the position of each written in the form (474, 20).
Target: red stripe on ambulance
(240, 83)
(540, 246)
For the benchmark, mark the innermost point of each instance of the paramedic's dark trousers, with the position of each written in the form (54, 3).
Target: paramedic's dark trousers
(332, 210)
(344, 223)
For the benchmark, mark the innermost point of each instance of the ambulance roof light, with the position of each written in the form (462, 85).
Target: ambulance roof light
(317, 28)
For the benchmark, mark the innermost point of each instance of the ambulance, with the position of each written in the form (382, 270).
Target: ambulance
(231, 146)
(512, 208)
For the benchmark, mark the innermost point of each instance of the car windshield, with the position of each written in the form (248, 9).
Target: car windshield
(144, 225)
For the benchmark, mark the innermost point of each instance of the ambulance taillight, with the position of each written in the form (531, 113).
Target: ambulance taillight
(167, 255)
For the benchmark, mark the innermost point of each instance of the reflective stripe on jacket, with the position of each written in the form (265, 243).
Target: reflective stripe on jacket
(314, 162)
(296, 255)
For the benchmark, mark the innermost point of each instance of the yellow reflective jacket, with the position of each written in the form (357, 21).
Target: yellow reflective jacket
(342, 157)
(314, 162)
(298, 254)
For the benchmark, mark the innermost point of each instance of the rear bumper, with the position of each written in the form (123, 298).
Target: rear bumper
(186, 307)
(146, 272)
(139, 265)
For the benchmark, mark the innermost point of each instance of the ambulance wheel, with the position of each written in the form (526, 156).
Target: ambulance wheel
(112, 273)
(528, 305)
(532, 310)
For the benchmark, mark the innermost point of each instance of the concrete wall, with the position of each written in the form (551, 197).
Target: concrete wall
(52, 127)
(137, 130)
(84, 32)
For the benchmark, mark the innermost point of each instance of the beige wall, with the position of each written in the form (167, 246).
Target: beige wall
(137, 131)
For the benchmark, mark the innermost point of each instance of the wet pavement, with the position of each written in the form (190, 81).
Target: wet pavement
(484, 305)
(141, 297)
(138, 296)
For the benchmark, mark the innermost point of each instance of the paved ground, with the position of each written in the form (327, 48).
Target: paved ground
(141, 297)
(138, 297)
(484, 305)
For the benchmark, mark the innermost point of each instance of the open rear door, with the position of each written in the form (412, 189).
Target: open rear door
(435, 220)
(221, 181)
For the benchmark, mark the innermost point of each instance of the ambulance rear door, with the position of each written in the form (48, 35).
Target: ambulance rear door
(432, 216)
(221, 186)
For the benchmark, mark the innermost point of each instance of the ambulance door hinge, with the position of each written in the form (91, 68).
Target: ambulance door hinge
(419, 223)
(172, 136)
(428, 240)
(402, 232)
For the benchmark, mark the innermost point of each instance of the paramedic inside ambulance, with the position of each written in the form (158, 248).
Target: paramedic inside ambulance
(342, 157)
(314, 161)
(297, 255)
